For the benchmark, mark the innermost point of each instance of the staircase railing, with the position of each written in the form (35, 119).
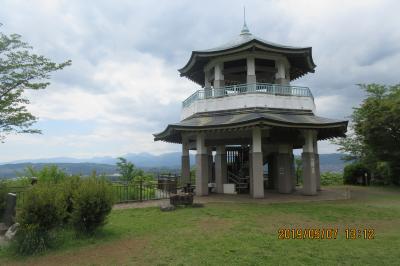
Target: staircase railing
(234, 178)
(241, 183)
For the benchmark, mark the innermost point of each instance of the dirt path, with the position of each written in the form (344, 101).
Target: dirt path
(120, 252)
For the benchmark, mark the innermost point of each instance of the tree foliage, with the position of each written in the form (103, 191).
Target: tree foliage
(129, 172)
(298, 169)
(375, 140)
(48, 174)
(20, 70)
(331, 178)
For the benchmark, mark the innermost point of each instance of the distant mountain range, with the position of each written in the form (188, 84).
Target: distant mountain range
(169, 162)
(172, 160)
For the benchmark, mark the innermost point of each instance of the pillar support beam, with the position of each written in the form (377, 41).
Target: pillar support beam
(185, 167)
(274, 171)
(280, 76)
(257, 180)
(220, 169)
(293, 171)
(219, 79)
(309, 169)
(201, 166)
(251, 70)
(210, 164)
(207, 83)
(284, 169)
(317, 168)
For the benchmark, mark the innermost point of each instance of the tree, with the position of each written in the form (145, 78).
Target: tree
(20, 70)
(128, 171)
(376, 126)
(299, 169)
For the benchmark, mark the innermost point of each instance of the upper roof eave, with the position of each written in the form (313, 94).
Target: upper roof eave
(243, 46)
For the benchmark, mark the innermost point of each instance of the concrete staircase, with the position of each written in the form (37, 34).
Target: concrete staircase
(241, 182)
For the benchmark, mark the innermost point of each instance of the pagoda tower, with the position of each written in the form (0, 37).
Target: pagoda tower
(247, 118)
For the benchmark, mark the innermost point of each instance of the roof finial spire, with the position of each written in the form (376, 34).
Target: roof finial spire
(244, 15)
(245, 30)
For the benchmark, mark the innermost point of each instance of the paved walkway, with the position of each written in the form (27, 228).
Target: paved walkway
(329, 193)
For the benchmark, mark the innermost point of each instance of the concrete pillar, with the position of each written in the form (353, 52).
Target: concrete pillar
(207, 83)
(201, 166)
(251, 70)
(208, 91)
(219, 79)
(284, 169)
(210, 164)
(250, 170)
(270, 171)
(280, 76)
(257, 181)
(308, 157)
(317, 168)
(275, 171)
(185, 167)
(293, 171)
(220, 169)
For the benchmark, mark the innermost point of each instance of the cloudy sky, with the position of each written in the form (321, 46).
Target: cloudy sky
(123, 84)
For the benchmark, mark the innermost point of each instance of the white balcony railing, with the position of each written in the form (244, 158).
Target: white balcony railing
(265, 88)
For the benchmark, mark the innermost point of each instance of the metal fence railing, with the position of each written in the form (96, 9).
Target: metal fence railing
(267, 88)
(143, 190)
(124, 192)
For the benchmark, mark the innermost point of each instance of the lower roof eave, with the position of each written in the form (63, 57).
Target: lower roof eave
(172, 133)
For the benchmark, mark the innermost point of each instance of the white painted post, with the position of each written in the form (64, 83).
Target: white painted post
(220, 168)
(251, 72)
(317, 168)
(201, 166)
(308, 157)
(185, 167)
(219, 76)
(257, 180)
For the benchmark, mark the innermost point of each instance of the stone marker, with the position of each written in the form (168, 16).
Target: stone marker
(9, 213)
(11, 232)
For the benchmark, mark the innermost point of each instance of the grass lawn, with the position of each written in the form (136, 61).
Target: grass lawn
(237, 234)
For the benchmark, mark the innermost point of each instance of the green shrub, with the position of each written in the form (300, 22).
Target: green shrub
(92, 202)
(352, 172)
(31, 240)
(43, 210)
(67, 189)
(43, 207)
(331, 178)
(3, 193)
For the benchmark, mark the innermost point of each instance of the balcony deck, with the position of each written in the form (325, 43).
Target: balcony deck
(263, 88)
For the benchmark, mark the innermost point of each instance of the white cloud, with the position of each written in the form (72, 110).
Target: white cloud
(124, 81)
(130, 91)
(328, 105)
